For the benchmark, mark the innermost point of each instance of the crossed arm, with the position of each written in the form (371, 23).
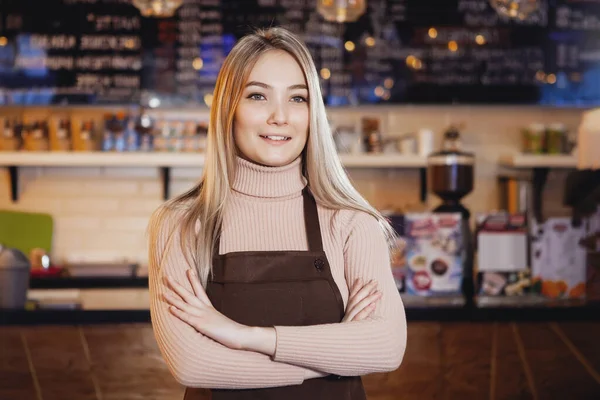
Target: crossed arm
(215, 352)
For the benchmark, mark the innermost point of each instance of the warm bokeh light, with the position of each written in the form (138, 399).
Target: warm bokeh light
(540, 76)
(349, 45)
(452, 45)
(198, 64)
(325, 73)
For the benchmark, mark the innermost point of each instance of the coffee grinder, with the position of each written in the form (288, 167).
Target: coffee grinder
(451, 172)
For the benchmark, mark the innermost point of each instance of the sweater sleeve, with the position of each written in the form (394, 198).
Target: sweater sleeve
(194, 359)
(375, 344)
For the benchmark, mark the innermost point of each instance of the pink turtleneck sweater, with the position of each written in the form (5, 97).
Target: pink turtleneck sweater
(266, 213)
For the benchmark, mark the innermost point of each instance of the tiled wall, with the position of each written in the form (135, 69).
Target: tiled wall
(101, 213)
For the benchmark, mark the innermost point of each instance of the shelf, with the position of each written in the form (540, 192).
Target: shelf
(540, 165)
(102, 159)
(538, 161)
(167, 160)
(383, 161)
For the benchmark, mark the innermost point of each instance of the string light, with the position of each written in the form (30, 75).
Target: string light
(517, 9)
(341, 10)
(157, 8)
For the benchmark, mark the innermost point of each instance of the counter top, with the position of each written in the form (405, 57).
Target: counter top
(88, 282)
(538, 160)
(560, 311)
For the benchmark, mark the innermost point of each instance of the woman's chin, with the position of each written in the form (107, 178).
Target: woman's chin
(274, 160)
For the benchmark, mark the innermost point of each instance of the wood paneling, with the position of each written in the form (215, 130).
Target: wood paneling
(16, 381)
(496, 361)
(510, 380)
(557, 374)
(585, 336)
(420, 375)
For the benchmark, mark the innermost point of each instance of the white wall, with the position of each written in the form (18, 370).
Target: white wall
(101, 213)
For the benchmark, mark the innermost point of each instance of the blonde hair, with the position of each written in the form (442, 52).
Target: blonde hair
(203, 205)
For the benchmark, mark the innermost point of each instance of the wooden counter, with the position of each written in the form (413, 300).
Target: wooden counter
(442, 361)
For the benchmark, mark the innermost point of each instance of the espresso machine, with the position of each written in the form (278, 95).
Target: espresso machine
(451, 174)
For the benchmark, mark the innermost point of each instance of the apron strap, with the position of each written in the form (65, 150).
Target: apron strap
(311, 221)
(217, 244)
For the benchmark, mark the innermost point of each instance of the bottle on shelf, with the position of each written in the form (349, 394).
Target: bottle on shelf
(60, 134)
(35, 136)
(144, 128)
(119, 128)
(82, 134)
(108, 139)
(10, 136)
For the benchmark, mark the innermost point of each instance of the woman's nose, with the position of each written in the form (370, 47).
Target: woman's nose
(278, 114)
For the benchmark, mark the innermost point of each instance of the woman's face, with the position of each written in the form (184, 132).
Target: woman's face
(271, 121)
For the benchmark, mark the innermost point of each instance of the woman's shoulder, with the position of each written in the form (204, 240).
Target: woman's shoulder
(168, 216)
(346, 220)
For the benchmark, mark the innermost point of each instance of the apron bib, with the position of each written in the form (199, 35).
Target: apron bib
(286, 288)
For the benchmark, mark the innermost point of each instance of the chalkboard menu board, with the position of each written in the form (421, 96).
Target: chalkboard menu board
(399, 51)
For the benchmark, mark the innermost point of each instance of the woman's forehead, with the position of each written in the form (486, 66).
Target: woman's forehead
(277, 69)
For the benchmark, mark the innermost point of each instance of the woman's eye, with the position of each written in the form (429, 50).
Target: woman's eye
(299, 99)
(256, 96)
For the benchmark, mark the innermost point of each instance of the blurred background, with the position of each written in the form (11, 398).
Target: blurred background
(474, 125)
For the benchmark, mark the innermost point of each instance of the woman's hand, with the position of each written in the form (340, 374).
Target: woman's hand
(196, 310)
(362, 300)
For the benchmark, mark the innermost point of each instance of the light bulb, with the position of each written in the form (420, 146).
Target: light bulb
(157, 8)
(341, 10)
(517, 9)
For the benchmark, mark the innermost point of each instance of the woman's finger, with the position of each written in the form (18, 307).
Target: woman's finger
(361, 305)
(363, 292)
(180, 304)
(354, 287)
(365, 313)
(185, 317)
(185, 294)
(197, 287)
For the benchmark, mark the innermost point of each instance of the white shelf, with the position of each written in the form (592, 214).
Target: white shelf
(383, 161)
(538, 161)
(106, 159)
(100, 159)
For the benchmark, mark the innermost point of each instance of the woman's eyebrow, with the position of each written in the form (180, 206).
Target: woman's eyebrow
(265, 86)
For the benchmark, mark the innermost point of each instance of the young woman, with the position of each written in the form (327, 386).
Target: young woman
(271, 278)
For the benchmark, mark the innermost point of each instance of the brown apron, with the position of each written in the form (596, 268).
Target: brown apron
(287, 288)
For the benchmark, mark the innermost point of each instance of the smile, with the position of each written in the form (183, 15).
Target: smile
(276, 138)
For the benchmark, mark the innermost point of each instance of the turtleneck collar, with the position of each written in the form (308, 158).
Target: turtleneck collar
(269, 182)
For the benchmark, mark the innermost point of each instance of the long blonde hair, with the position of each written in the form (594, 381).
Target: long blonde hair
(203, 205)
